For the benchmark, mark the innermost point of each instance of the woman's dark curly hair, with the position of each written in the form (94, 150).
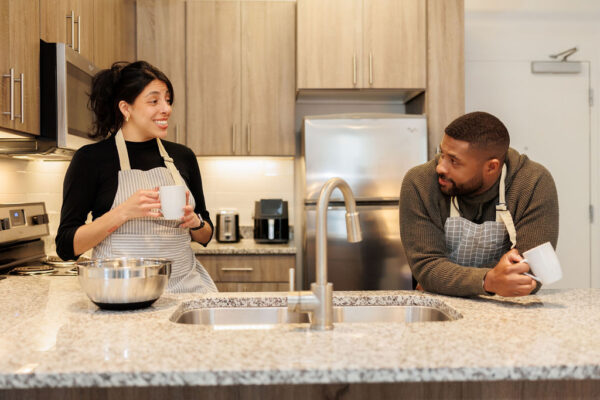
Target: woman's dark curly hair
(122, 81)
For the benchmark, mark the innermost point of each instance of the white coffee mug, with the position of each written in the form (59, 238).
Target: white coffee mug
(172, 201)
(543, 263)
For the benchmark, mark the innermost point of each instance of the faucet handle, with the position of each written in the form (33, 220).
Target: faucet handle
(353, 227)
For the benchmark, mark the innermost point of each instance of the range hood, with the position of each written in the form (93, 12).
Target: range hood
(34, 148)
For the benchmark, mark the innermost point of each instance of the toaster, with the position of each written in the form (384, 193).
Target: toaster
(228, 226)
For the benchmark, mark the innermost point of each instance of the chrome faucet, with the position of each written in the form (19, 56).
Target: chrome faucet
(319, 300)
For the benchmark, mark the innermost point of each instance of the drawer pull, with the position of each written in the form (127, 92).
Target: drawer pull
(237, 269)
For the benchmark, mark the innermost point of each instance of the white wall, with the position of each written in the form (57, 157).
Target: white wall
(513, 30)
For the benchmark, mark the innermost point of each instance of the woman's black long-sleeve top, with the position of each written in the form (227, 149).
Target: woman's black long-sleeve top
(92, 178)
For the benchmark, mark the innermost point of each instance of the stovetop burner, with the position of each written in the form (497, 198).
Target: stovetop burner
(33, 270)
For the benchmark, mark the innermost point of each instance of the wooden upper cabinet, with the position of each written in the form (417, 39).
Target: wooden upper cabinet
(70, 22)
(268, 72)
(394, 44)
(347, 44)
(114, 32)
(213, 52)
(20, 47)
(329, 44)
(240, 77)
(161, 42)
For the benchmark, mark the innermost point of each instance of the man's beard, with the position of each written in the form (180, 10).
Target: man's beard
(463, 189)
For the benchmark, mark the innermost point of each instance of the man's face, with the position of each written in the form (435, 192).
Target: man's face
(459, 168)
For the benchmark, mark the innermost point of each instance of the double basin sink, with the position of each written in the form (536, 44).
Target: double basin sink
(270, 317)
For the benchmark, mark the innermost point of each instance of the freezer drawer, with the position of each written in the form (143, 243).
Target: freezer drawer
(377, 262)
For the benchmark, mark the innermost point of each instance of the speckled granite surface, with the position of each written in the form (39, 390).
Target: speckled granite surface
(244, 246)
(51, 335)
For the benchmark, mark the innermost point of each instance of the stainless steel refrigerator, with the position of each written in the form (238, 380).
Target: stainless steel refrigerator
(372, 152)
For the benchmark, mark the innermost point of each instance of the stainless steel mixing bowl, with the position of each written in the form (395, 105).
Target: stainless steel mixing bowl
(124, 283)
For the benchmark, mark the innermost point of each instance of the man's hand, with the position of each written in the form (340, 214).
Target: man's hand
(507, 279)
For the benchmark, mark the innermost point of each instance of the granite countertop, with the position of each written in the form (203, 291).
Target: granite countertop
(244, 246)
(51, 335)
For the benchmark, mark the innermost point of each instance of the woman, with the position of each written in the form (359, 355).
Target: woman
(117, 179)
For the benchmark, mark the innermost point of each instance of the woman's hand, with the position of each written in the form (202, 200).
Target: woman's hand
(143, 203)
(190, 219)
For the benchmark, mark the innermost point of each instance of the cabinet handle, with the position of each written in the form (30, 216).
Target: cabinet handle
(370, 68)
(237, 269)
(79, 34)
(11, 76)
(22, 82)
(249, 134)
(72, 18)
(176, 133)
(354, 69)
(292, 279)
(233, 138)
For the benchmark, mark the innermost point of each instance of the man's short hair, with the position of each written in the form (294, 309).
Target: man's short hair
(482, 131)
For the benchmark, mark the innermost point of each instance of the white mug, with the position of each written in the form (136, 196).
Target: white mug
(543, 263)
(172, 201)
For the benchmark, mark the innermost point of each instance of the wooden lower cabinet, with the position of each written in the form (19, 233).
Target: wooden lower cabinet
(249, 273)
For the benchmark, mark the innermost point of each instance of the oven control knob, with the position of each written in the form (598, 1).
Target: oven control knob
(39, 219)
(4, 224)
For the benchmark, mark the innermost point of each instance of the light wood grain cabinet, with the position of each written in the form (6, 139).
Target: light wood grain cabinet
(19, 65)
(70, 22)
(249, 273)
(161, 42)
(240, 74)
(358, 44)
(114, 32)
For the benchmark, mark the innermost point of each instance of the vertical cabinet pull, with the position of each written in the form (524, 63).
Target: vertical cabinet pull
(371, 68)
(249, 134)
(292, 279)
(79, 34)
(22, 82)
(72, 18)
(11, 111)
(176, 133)
(233, 138)
(354, 69)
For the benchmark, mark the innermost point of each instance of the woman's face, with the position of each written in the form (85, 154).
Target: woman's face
(149, 113)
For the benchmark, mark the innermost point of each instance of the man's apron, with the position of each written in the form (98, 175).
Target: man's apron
(154, 237)
(477, 245)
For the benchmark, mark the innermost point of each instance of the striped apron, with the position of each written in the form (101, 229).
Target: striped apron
(478, 245)
(154, 237)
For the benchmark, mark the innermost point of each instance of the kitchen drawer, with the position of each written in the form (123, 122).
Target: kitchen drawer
(248, 268)
(252, 287)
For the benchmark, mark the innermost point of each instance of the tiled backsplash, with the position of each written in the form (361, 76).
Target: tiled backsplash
(237, 182)
(34, 181)
(229, 182)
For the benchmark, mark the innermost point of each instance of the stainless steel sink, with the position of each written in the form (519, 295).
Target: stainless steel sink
(269, 317)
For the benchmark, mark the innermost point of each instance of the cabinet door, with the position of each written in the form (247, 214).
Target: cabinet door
(19, 20)
(161, 42)
(213, 51)
(395, 44)
(84, 28)
(114, 32)
(329, 44)
(268, 75)
(55, 27)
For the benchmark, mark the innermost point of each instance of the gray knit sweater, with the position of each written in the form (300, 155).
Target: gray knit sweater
(531, 199)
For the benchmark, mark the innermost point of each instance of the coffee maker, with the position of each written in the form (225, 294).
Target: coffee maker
(271, 221)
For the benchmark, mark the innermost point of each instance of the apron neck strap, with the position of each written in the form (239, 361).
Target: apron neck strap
(124, 158)
(502, 213)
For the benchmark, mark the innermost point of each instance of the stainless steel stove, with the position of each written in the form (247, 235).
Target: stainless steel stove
(22, 227)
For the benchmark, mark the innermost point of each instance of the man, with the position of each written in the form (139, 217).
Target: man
(466, 216)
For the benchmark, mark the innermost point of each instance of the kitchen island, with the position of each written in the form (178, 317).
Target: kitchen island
(55, 343)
